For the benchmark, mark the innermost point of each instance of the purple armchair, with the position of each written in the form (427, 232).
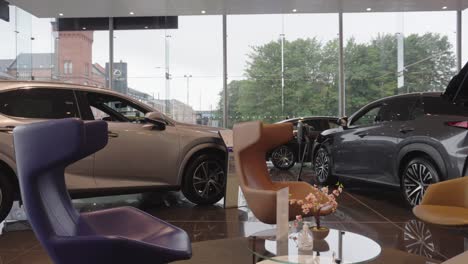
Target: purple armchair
(120, 235)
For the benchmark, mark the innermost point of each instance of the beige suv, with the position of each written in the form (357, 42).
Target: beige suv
(147, 151)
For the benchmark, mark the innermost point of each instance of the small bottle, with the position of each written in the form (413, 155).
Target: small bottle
(305, 241)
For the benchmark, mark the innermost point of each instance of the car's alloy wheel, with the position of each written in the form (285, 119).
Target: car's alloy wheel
(416, 177)
(283, 158)
(205, 179)
(322, 165)
(208, 179)
(416, 180)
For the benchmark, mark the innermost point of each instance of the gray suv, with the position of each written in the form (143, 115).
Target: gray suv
(146, 151)
(408, 141)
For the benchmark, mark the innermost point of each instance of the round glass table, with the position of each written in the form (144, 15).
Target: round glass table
(338, 247)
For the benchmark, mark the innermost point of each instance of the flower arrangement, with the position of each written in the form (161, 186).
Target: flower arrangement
(314, 202)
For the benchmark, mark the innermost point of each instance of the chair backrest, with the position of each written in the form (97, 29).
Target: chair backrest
(43, 151)
(252, 141)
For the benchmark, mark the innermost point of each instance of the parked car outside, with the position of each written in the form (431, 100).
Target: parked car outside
(285, 156)
(409, 141)
(146, 151)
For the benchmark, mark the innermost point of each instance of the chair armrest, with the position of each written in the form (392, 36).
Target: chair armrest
(447, 193)
(297, 190)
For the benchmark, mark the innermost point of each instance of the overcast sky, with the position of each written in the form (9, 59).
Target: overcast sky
(195, 48)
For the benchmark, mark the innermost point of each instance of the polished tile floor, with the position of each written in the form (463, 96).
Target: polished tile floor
(370, 210)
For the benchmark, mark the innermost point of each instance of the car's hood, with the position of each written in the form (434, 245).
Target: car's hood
(199, 128)
(457, 89)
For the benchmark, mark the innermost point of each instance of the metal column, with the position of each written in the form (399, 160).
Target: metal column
(459, 40)
(225, 76)
(111, 53)
(341, 88)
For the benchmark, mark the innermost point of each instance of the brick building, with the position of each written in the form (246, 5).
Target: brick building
(71, 62)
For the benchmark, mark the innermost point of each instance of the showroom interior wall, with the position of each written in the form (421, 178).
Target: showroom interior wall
(278, 66)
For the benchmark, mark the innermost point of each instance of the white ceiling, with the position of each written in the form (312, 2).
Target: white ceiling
(116, 8)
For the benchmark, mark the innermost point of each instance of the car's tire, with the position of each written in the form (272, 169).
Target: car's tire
(416, 175)
(323, 167)
(7, 194)
(205, 179)
(283, 158)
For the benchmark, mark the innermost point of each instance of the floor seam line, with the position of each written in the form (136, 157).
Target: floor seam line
(373, 210)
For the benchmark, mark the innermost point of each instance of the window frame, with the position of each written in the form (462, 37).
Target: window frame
(359, 114)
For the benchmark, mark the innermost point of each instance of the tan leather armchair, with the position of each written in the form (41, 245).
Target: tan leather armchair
(445, 203)
(252, 140)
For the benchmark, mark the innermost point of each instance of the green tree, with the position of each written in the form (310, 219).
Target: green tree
(311, 75)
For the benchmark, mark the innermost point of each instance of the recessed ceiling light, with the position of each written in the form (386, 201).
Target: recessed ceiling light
(84, 28)
(444, 7)
(203, 11)
(60, 14)
(294, 10)
(132, 13)
(368, 9)
(146, 27)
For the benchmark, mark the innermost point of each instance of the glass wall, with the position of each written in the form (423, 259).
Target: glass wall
(279, 66)
(196, 69)
(139, 66)
(178, 71)
(282, 66)
(7, 45)
(396, 53)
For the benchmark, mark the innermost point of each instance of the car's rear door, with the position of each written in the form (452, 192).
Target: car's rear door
(380, 141)
(28, 105)
(137, 154)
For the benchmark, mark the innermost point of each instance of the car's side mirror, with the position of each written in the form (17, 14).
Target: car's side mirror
(343, 122)
(156, 119)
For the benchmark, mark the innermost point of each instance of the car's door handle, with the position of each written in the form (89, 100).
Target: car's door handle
(7, 129)
(361, 135)
(112, 134)
(405, 130)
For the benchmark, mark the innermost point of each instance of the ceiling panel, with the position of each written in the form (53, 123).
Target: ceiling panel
(118, 8)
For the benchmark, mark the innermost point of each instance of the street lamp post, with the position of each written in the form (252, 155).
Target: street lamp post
(187, 76)
(282, 75)
(167, 76)
(282, 66)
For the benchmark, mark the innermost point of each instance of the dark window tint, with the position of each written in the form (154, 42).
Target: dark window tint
(399, 109)
(315, 124)
(39, 103)
(440, 106)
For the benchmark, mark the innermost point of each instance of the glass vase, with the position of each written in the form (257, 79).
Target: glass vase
(305, 240)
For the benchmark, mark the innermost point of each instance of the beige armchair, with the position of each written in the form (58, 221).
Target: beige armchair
(445, 203)
(252, 140)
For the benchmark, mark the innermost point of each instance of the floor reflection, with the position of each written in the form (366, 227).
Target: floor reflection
(366, 209)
